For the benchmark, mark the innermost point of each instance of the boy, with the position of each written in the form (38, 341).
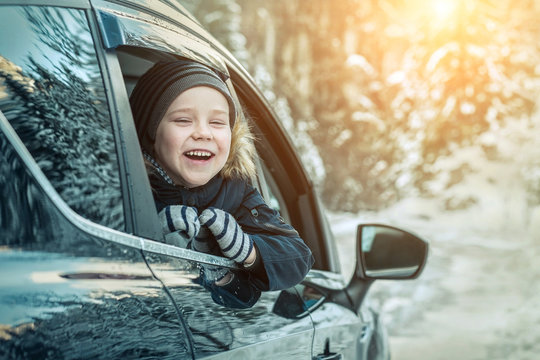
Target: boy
(200, 162)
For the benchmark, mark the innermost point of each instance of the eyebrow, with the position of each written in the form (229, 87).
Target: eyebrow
(220, 111)
(181, 110)
(192, 110)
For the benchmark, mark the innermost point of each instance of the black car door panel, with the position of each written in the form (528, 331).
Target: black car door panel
(256, 332)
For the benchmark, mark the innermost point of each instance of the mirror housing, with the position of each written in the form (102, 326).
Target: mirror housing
(386, 252)
(382, 252)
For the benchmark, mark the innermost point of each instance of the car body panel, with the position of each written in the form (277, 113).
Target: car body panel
(241, 332)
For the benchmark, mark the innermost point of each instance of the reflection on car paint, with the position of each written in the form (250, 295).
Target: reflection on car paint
(230, 329)
(49, 93)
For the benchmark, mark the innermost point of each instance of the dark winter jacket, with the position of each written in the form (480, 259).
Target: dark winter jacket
(284, 258)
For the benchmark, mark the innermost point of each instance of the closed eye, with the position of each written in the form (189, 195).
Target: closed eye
(219, 122)
(181, 120)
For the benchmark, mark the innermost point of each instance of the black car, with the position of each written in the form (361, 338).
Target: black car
(85, 270)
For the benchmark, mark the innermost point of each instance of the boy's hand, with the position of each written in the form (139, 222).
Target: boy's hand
(202, 242)
(181, 227)
(234, 243)
(181, 219)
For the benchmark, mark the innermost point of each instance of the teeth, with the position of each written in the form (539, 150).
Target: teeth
(199, 153)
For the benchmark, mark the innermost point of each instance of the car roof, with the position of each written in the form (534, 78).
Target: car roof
(179, 16)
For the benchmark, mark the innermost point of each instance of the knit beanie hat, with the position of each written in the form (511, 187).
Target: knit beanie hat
(160, 85)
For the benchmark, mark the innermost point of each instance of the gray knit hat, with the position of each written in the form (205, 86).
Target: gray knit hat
(160, 85)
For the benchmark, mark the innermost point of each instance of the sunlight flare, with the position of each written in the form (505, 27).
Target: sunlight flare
(443, 9)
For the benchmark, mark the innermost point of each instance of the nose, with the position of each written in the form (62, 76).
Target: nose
(202, 131)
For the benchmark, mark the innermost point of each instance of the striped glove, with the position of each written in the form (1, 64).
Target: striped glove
(180, 218)
(180, 224)
(203, 242)
(182, 228)
(234, 243)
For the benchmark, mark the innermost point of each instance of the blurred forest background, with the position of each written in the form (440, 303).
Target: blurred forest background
(389, 99)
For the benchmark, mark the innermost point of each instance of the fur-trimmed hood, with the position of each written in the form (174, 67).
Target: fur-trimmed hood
(241, 161)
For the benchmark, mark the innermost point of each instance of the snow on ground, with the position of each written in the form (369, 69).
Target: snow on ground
(479, 295)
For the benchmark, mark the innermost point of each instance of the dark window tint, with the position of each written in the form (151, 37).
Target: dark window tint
(52, 93)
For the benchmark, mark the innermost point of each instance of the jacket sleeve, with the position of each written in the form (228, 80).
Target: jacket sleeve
(285, 257)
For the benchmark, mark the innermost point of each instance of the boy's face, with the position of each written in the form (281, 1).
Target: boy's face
(193, 139)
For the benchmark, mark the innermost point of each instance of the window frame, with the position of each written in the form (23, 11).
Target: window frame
(138, 201)
(273, 145)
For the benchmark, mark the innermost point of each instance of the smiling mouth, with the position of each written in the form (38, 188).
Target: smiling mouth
(198, 155)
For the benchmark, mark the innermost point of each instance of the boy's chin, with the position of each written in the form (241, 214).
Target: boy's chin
(197, 181)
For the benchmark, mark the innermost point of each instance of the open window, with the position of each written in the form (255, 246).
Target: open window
(133, 46)
(281, 178)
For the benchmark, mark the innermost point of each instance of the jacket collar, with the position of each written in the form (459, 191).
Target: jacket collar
(169, 193)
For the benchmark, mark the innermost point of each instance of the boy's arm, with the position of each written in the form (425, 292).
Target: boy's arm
(283, 255)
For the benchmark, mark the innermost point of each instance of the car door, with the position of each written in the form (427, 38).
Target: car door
(133, 41)
(74, 281)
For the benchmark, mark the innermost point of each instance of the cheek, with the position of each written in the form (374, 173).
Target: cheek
(169, 140)
(225, 144)
(165, 148)
(170, 143)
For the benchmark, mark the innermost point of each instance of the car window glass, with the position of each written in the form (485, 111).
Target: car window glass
(52, 93)
(274, 196)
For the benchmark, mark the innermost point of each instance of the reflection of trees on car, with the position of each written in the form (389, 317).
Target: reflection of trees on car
(74, 327)
(16, 194)
(60, 113)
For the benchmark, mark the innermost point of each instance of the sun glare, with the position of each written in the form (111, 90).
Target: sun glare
(443, 9)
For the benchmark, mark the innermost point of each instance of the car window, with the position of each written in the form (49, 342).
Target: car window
(272, 193)
(52, 93)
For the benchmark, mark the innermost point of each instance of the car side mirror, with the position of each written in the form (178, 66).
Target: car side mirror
(385, 252)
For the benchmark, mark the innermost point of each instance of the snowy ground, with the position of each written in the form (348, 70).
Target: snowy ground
(479, 295)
